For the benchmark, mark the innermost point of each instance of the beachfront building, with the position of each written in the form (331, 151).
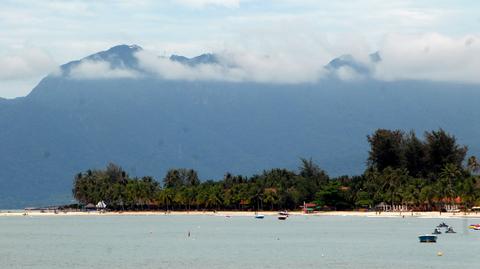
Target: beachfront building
(244, 204)
(384, 207)
(451, 204)
(445, 204)
(90, 207)
(308, 208)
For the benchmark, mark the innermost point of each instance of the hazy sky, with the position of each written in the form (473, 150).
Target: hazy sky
(431, 39)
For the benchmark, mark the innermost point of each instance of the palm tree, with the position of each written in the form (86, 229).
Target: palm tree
(427, 195)
(449, 175)
(213, 201)
(271, 197)
(392, 182)
(473, 164)
(468, 191)
(172, 179)
(447, 181)
(165, 197)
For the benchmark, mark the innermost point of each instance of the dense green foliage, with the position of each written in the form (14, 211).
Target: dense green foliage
(427, 158)
(402, 170)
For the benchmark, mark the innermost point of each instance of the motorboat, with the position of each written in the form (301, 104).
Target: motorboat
(259, 216)
(428, 238)
(283, 213)
(474, 226)
(442, 225)
(436, 231)
(450, 230)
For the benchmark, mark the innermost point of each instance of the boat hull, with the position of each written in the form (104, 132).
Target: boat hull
(429, 238)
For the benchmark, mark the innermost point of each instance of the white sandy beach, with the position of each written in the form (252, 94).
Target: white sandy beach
(5, 213)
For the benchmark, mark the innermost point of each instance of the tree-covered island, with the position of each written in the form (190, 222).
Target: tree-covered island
(432, 173)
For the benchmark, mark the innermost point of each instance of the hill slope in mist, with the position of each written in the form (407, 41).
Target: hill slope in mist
(148, 125)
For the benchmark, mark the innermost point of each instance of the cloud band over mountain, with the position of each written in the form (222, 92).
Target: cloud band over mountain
(401, 57)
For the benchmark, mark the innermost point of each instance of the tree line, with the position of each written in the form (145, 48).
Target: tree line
(402, 169)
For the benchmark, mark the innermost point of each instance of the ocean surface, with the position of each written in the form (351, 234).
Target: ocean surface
(141, 242)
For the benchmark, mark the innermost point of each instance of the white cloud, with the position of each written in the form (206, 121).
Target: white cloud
(348, 74)
(290, 39)
(100, 70)
(277, 67)
(430, 57)
(260, 53)
(21, 69)
(17, 87)
(206, 3)
(25, 63)
(237, 66)
(167, 69)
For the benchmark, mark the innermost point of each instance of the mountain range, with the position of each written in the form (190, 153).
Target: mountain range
(149, 124)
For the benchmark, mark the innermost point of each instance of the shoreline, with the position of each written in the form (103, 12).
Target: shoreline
(429, 214)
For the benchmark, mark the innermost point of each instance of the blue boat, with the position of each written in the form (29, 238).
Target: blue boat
(428, 238)
(259, 216)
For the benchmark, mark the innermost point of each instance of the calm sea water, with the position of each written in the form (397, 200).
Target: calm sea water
(141, 242)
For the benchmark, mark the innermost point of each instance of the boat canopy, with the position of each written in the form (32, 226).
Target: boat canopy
(101, 205)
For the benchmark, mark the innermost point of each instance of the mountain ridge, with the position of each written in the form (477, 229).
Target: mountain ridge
(149, 125)
(120, 56)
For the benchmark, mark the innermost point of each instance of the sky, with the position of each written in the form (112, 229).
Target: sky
(291, 39)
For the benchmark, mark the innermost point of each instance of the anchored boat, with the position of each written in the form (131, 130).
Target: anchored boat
(474, 226)
(442, 225)
(450, 230)
(282, 215)
(428, 238)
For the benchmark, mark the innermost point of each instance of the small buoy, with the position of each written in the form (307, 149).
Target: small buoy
(439, 253)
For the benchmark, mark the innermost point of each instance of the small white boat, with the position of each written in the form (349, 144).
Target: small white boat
(450, 230)
(283, 213)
